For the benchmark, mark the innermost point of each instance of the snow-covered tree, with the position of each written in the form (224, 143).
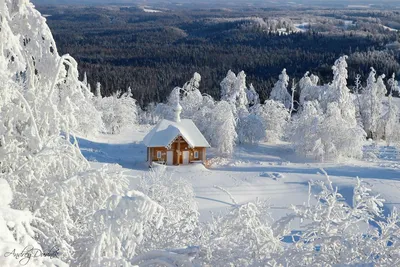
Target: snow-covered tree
(234, 89)
(280, 92)
(118, 111)
(250, 129)
(222, 130)
(192, 98)
(117, 230)
(371, 104)
(309, 89)
(51, 181)
(252, 96)
(329, 130)
(228, 87)
(274, 117)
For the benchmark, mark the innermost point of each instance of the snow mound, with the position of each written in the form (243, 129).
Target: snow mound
(273, 175)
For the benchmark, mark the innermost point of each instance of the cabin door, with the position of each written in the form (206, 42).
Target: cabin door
(170, 157)
(185, 157)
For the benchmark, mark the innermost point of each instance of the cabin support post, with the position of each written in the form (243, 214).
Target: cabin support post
(179, 151)
(150, 156)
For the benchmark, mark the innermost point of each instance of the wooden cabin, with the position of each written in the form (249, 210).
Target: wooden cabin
(175, 142)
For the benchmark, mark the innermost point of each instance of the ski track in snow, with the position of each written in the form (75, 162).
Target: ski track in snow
(268, 172)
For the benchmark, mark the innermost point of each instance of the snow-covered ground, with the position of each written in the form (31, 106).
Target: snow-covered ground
(265, 171)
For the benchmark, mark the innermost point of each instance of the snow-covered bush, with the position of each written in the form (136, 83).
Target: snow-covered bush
(280, 92)
(117, 230)
(336, 233)
(118, 111)
(243, 237)
(17, 236)
(180, 218)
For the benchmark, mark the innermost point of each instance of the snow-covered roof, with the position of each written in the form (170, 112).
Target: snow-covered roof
(165, 132)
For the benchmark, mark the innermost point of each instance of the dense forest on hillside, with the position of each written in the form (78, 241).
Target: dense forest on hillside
(152, 52)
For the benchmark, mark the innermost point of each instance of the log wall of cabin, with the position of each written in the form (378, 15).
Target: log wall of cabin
(179, 145)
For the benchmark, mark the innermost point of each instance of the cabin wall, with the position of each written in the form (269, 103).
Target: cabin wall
(154, 151)
(178, 147)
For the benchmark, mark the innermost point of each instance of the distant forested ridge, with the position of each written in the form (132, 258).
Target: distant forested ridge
(123, 47)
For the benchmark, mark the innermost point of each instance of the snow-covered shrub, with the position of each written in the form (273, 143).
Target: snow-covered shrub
(117, 230)
(17, 236)
(180, 218)
(274, 117)
(335, 233)
(243, 237)
(118, 111)
(280, 92)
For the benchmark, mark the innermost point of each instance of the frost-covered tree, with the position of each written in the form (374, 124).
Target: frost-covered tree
(117, 230)
(325, 136)
(250, 129)
(329, 129)
(228, 87)
(29, 48)
(222, 131)
(192, 98)
(371, 104)
(309, 89)
(304, 130)
(280, 92)
(39, 158)
(234, 89)
(252, 96)
(274, 117)
(118, 111)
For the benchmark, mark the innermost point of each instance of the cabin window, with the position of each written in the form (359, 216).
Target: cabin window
(159, 154)
(196, 154)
